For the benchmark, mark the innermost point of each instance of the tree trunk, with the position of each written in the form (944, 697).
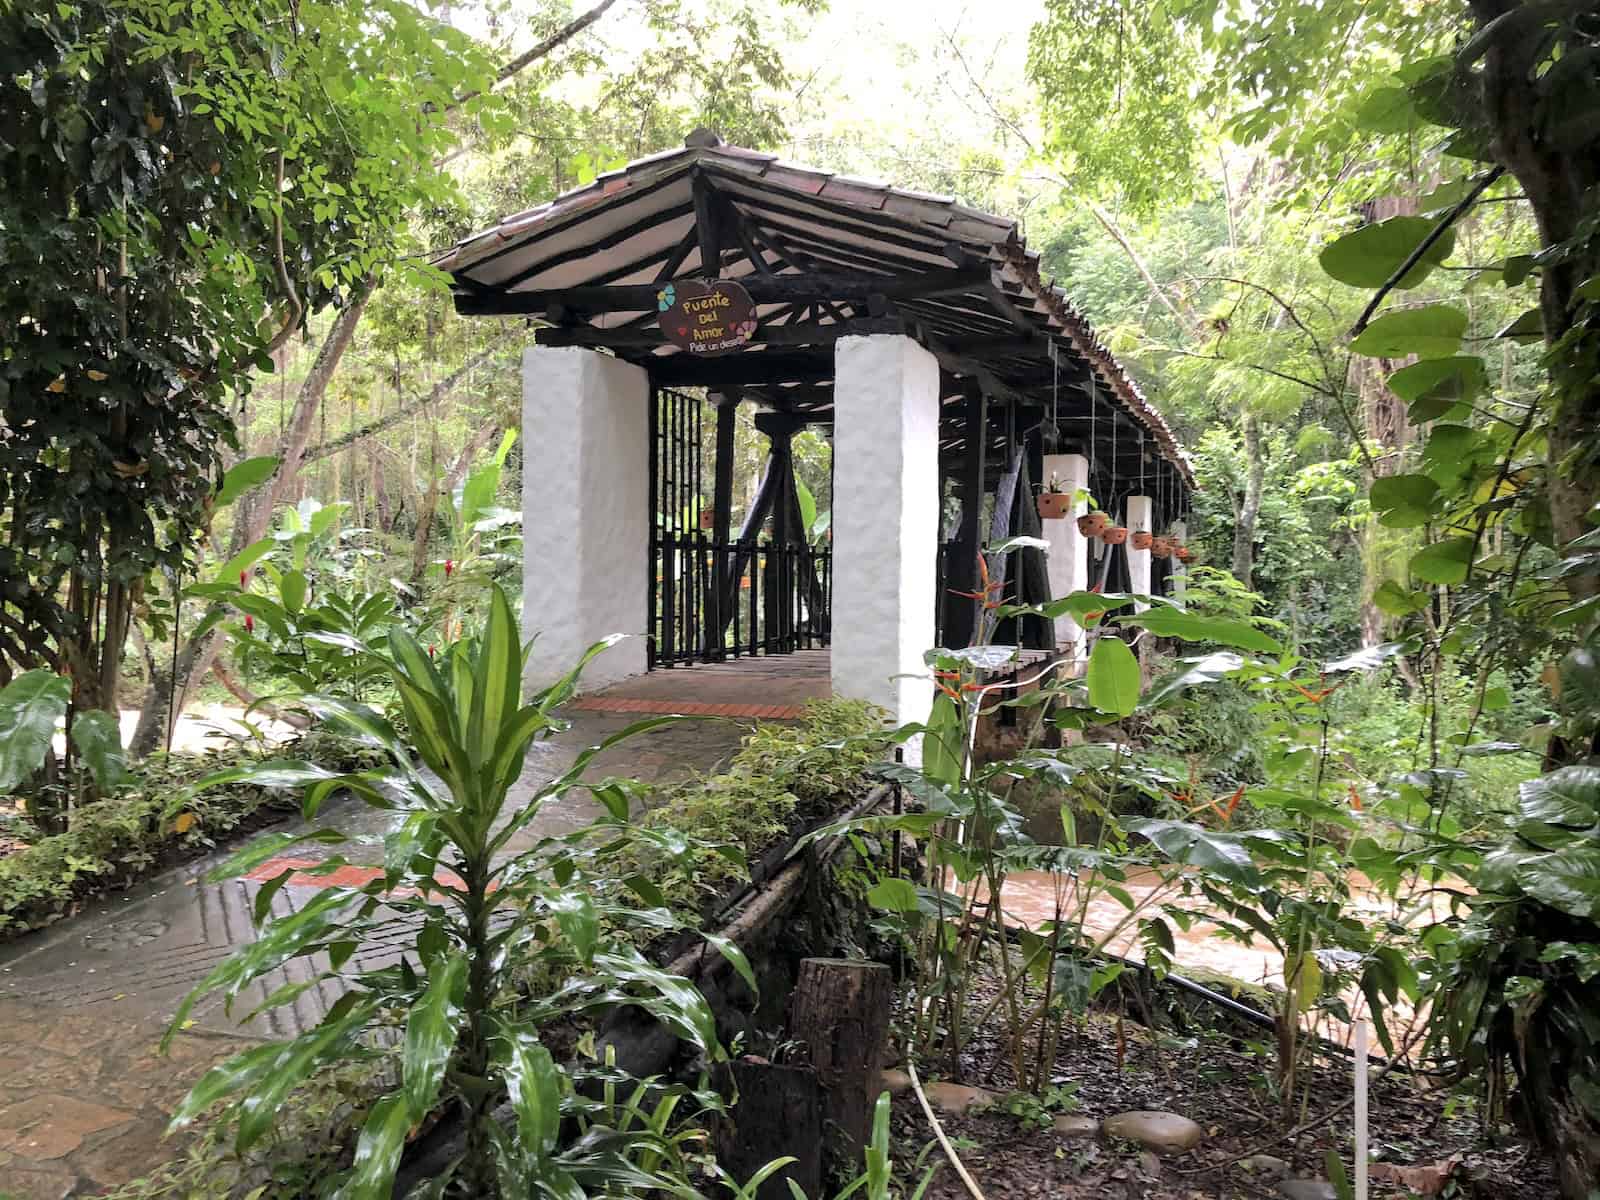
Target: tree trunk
(1244, 530)
(840, 1011)
(778, 1114)
(252, 515)
(430, 505)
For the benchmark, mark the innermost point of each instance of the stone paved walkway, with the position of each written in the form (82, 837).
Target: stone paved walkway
(84, 1096)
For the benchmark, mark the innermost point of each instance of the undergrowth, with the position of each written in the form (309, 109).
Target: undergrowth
(113, 842)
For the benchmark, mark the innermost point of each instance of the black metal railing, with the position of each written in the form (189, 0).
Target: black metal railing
(715, 602)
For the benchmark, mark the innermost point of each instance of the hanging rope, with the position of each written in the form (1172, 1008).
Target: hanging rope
(177, 620)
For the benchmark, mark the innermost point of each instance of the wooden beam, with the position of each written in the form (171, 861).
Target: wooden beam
(807, 334)
(707, 223)
(779, 289)
(764, 367)
(961, 568)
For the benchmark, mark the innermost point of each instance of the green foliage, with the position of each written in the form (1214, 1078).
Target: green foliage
(181, 186)
(110, 843)
(483, 915)
(782, 775)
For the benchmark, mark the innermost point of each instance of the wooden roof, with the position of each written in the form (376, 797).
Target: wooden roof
(823, 256)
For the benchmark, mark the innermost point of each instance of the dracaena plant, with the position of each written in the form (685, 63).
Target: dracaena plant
(482, 916)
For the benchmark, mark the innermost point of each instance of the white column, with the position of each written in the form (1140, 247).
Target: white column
(1137, 519)
(885, 521)
(1068, 561)
(1180, 571)
(585, 524)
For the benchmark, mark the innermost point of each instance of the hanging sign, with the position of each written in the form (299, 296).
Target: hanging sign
(706, 318)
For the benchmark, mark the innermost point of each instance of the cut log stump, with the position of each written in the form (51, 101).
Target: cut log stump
(840, 1013)
(778, 1115)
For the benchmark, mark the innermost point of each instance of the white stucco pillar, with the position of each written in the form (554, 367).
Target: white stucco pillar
(1179, 577)
(1138, 520)
(1068, 561)
(585, 524)
(885, 521)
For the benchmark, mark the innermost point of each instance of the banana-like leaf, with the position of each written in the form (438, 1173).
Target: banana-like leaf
(30, 706)
(97, 737)
(1113, 677)
(533, 1084)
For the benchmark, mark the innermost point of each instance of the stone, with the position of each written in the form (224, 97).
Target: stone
(53, 1126)
(1268, 1166)
(1075, 1126)
(1163, 1132)
(1307, 1189)
(894, 1082)
(957, 1097)
(1150, 1163)
(50, 1182)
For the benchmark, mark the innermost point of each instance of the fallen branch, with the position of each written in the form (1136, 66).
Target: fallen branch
(938, 1132)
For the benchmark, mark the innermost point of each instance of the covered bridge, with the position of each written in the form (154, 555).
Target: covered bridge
(954, 381)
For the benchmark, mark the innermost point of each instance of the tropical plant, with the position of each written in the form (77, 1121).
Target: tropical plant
(31, 706)
(484, 914)
(1519, 985)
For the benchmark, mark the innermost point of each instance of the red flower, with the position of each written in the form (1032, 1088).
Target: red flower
(244, 578)
(449, 566)
(249, 623)
(430, 651)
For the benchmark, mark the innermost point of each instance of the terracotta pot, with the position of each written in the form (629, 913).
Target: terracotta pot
(1054, 505)
(1141, 539)
(1091, 523)
(1161, 547)
(1185, 555)
(1114, 535)
(708, 518)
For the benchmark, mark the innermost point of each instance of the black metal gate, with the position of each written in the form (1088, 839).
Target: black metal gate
(710, 601)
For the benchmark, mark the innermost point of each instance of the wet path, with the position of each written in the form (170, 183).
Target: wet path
(83, 1094)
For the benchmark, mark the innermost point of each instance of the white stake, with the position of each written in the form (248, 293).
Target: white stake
(1361, 1110)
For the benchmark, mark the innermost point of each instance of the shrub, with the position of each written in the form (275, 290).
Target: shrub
(113, 842)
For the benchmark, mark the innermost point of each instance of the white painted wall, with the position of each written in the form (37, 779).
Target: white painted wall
(585, 518)
(1068, 561)
(1139, 513)
(885, 521)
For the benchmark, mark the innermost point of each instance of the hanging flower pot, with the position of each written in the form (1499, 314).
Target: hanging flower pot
(1054, 505)
(708, 518)
(1141, 539)
(1114, 535)
(1184, 554)
(1092, 523)
(1161, 547)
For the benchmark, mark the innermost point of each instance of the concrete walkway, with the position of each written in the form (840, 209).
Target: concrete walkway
(84, 1096)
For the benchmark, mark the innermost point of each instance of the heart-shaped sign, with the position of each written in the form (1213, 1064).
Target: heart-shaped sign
(707, 317)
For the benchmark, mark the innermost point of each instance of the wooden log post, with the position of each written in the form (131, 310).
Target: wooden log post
(840, 1012)
(778, 1115)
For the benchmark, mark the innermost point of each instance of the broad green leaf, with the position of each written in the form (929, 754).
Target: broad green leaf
(1113, 677)
(1085, 607)
(295, 1060)
(574, 913)
(1368, 256)
(1443, 562)
(1396, 601)
(264, 849)
(1193, 673)
(97, 737)
(378, 1150)
(1434, 386)
(1220, 854)
(30, 706)
(229, 572)
(1404, 501)
(432, 1027)
(1525, 330)
(808, 505)
(1568, 880)
(893, 895)
(1433, 331)
(292, 588)
(243, 476)
(533, 1084)
(942, 743)
(1173, 622)
(1569, 796)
